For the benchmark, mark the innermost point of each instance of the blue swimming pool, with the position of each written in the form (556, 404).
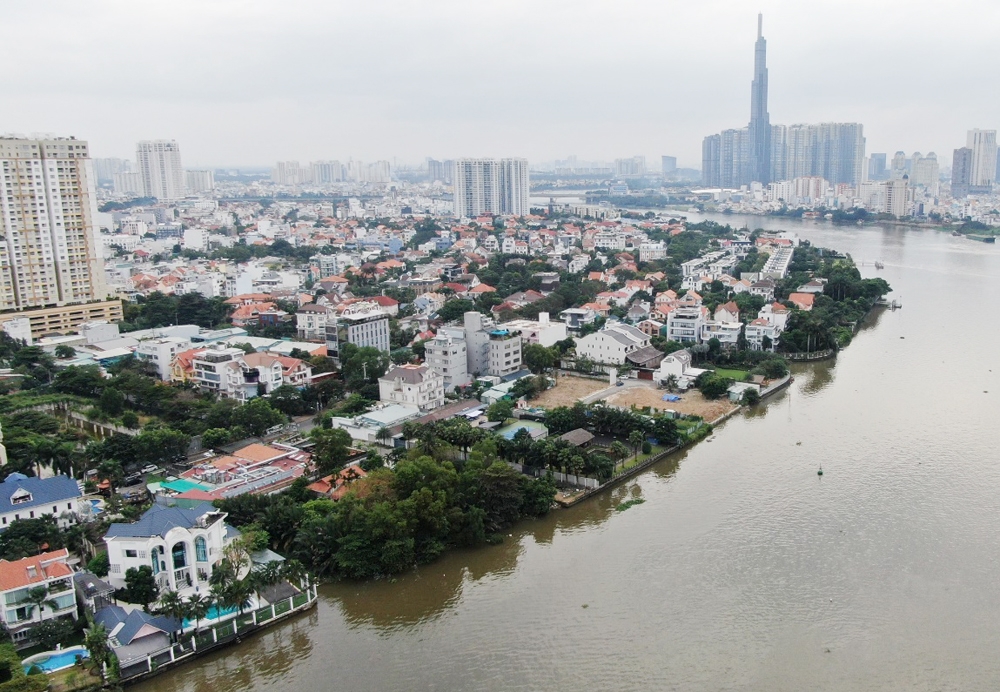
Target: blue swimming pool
(55, 660)
(214, 613)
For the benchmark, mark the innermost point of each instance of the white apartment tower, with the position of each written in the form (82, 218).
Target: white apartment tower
(160, 167)
(50, 252)
(983, 144)
(491, 186)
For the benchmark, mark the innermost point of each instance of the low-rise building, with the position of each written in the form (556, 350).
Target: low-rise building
(30, 497)
(362, 324)
(416, 385)
(542, 331)
(310, 322)
(49, 571)
(446, 353)
(182, 546)
(612, 344)
(685, 323)
(504, 352)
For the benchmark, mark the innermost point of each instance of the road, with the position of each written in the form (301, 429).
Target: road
(604, 393)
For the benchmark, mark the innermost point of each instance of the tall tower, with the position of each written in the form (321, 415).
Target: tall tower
(759, 149)
(160, 167)
(50, 248)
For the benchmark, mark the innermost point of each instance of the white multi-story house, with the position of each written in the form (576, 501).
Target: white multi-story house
(504, 352)
(29, 497)
(612, 344)
(685, 322)
(758, 330)
(310, 322)
(728, 333)
(182, 546)
(447, 354)
(49, 571)
(161, 352)
(649, 252)
(609, 240)
(416, 385)
(361, 324)
(542, 331)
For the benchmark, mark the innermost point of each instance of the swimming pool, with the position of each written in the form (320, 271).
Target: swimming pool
(51, 661)
(214, 613)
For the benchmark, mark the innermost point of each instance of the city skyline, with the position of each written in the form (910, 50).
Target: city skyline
(382, 95)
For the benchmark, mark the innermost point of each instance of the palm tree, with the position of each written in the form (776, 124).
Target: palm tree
(294, 572)
(198, 607)
(96, 642)
(173, 606)
(383, 435)
(38, 597)
(636, 438)
(618, 451)
(266, 576)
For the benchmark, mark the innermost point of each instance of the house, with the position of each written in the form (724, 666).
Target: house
(776, 314)
(135, 635)
(728, 312)
(763, 288)
(29, 497)
(728, 333)
(579, 438)
(803, 301)
(650, 327)
(678, 366)
(646, 358)
(416, 385)
(389, 305)
(576, 318)
(92, 592)
(50, 571)
(310, 322)
(684, 323)
(335, 486)
(183, 546)
(814, 286)
(612, 344)
(760, 329)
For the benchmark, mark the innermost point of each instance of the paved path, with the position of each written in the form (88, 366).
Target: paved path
(605, 393)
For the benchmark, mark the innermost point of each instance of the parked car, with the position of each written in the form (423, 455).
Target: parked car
(152, 468)
(133, 479)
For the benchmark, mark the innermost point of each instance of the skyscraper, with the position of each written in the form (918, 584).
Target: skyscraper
(876, 167)
(668, 165)
(983, 144)
(961, 172)
(50, 254)
(489, 186)
(159, 163)
(759, 142)
(762, 152)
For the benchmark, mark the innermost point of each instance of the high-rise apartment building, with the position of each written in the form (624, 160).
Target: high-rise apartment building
(668, 166)
(762, 152)
(159, 164)
(199, 181)
(290, 173)
(326, 172)
(440, 171)
(876, 167)
(924, 171)
(491, 186)
(50, 254)
(634, 166)
(105, 169)
(961, 172)
(983, 144)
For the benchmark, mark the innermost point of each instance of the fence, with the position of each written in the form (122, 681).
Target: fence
(810, 356)
(567, 478)
(221, 634)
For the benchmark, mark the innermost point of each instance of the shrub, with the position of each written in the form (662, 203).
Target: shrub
(646, 447)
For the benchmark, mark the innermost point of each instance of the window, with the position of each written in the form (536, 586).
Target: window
(131, 553)
(200, 549)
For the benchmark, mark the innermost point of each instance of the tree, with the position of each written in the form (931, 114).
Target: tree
(140, 586)
(130, 420)
(499, 411)
(636, 438)
(456, 309)
(216, 437)
(363, 366)
(256, 416)
(713, 386)
(172, 605)
(750, 397)
(618, 451)
(538, 358)
(97, 645)
(671, 383)
(198, 606)
(111, 402)
(99, 565)
(26, 537)
(38, 597)
(64, 351)
(289, 400)
(331, 450)
(51, 633)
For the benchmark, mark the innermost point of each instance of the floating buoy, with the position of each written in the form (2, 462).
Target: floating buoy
(820, 472)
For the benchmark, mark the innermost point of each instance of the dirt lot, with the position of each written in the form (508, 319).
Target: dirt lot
(691, 403)
(568, 391)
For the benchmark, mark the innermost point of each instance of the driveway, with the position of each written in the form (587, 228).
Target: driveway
(604, 393)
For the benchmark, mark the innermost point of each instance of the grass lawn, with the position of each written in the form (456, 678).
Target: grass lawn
(738, 375)
(632, 461)
(75, 678)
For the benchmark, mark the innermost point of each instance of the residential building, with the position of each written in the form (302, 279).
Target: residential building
(182, 546)
(728, 333)
(491, 186)
(762, 335)
(649, 252)
(576, 318)
(983, 144)
(897, 196)
(199, 181)
(504, 352)
(30, 497)
(542, 331)
(52, 254)
(447, 354)
(685, 323)
(310, 322)
(612, 344)
(416, 385)
(159, 164)
(135, 634)
(211, 368)
(361, 324)
(162, 352)
(50, 571)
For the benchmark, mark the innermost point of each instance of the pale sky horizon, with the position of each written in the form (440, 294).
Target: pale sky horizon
(249, 83)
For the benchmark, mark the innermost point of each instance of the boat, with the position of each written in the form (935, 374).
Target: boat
(983, 238)
(879, 265)
(956, 233)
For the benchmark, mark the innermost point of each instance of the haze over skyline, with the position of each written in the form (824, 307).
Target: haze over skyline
(250, 83)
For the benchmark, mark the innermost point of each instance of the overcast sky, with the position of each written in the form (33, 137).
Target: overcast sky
(248, 82)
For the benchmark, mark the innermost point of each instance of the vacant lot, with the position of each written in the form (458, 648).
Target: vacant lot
(691, 403)
(568, 391)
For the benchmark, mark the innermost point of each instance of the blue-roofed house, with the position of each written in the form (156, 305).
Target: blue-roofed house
(182, 546)
(28, 497)
(134, 635)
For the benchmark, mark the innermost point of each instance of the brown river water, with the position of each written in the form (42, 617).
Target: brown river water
(743, 570)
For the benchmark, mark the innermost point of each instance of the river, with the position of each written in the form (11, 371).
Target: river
(743, 570)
